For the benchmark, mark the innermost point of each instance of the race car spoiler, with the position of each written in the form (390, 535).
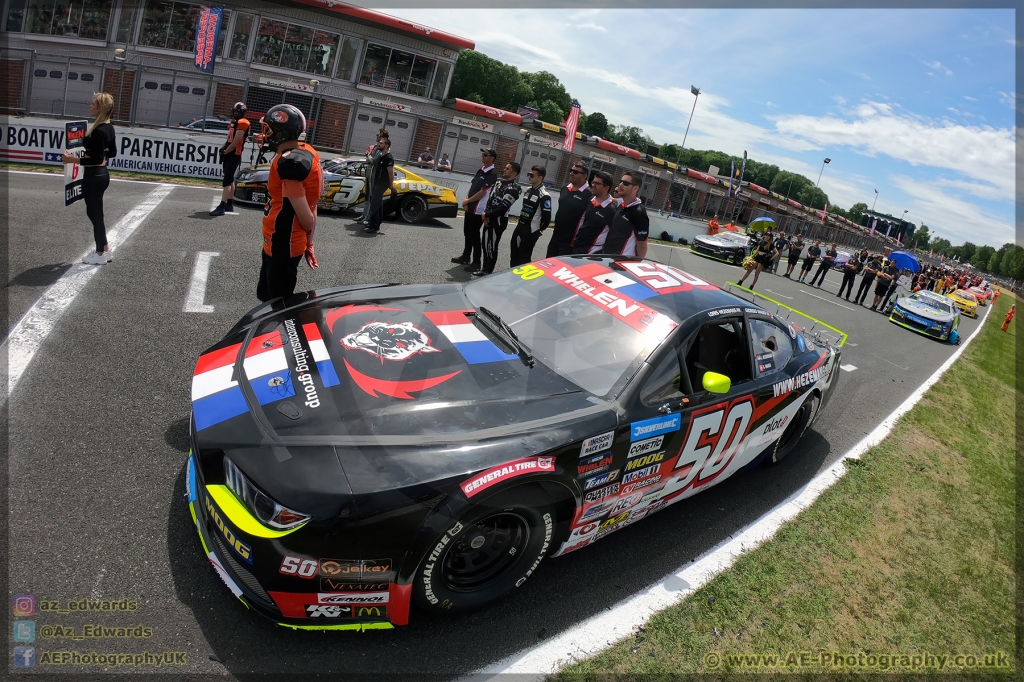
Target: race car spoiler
(820, 332)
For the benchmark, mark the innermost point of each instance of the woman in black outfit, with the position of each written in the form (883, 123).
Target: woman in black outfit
(763, 257)
(99, 146)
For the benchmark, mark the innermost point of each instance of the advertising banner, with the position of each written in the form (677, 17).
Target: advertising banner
(208, 37)
(145, 150)
(471, 123)
(74, 134)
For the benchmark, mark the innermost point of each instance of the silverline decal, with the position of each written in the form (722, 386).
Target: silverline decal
(302, 365)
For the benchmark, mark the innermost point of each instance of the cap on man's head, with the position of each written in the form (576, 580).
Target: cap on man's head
(490, 151)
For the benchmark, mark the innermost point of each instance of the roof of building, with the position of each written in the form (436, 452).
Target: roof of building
(370, 17)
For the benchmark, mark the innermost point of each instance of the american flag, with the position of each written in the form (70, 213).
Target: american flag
(570, 127)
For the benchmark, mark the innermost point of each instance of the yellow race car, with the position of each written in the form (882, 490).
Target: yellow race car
(415, 200)
(965, 301)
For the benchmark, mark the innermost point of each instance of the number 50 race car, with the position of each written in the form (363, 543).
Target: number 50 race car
(354, 450)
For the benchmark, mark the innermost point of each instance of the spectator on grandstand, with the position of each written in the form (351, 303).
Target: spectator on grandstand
(443, 164)
(425, 159)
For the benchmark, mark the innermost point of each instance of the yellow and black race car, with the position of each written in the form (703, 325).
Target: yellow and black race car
(345, 187)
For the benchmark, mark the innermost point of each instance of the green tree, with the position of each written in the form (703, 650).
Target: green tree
(967, 252)
(550, 112)
(812, 196)
(993, 264)
(790, 184)
(922, 235)
(760, 173)
(480, 78)
(856, 212)
(982, 257)
(940, 245)
(669, 152)
(595, 124)
(629, 136)
(547, 88)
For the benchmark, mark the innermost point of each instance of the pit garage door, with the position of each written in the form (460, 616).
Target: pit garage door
(369, 120)
(462, 145)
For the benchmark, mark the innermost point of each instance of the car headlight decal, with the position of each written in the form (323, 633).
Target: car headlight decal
(269, 512)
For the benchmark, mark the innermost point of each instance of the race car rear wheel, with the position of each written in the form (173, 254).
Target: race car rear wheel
(796, 429)
(491, 549)
(413, 208)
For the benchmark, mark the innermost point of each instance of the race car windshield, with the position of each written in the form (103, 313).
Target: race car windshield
(930, 302)
(565, 331)
(966, 296)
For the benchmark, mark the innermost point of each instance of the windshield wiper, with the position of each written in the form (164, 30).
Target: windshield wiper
(506, 330)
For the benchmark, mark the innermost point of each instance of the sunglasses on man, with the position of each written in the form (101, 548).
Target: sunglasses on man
(576, 171)
(531, 175)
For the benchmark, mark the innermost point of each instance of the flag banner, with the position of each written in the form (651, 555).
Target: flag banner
(823, 214)
(570, 127)
(732, 176)
(74, 134)
(874, 223)
(208, 37)
(694, 91)
(743, 170)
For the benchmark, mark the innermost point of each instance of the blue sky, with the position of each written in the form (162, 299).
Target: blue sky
(918, 104)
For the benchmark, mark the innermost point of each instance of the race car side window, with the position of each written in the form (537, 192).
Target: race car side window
(718, 346)
(668, 381)
(771, 345)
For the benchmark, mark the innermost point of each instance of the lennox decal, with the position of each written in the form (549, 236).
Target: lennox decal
(529, 465)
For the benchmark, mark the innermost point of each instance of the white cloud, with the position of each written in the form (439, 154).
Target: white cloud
(952, 218)
(953, 110)
(840, 100)
(1007, 98)
(592, 26)
(974, 151)
(973, 99)
(937, 66)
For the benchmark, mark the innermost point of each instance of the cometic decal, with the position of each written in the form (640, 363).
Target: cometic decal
(498, 474)
(645, 446)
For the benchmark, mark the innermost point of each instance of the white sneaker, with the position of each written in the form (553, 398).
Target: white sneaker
(93, 258)
(108, 255)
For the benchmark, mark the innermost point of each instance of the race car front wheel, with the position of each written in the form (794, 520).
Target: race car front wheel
(491, 549)
(413, 208)
(796, 429)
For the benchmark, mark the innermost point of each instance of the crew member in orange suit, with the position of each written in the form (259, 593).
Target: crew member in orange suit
(1009, 316)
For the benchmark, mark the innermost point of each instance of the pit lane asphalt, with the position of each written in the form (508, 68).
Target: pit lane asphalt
(97, 441)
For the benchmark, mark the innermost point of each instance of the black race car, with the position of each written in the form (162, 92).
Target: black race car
(730, 247)
(360, 448)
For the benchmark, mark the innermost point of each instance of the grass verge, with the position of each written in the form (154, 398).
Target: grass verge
(904, 565)
(124, 175)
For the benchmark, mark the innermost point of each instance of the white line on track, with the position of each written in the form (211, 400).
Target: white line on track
(28, 335)
(848, 368)
(112, 179)
(825, 299)
(216, 203)
(598, 632)
(778, 294)
(197, 288)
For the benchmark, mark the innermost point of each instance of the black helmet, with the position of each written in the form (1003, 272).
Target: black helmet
(282, 123)
(239, 110)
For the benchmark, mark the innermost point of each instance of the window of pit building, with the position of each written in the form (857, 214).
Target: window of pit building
(295, 47)
(240, 34)
(88, 19)
(130, 11)
(393, 69)
(172, 26)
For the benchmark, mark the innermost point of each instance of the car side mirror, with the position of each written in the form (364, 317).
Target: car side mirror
(716, 383)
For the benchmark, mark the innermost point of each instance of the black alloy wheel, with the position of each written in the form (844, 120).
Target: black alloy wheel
(796, 429)
(413, 208)
(492, 548)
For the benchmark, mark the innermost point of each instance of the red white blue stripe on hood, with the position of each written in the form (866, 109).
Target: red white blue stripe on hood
(216, 396)
(321, 357)
(471, 343)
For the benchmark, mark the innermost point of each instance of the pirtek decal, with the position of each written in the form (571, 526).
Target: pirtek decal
(241, 549)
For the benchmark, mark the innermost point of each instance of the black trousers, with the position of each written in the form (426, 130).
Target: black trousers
(376, 208)
(471, 231)
(888, 294)
(561, 243)
(808, 264)
(523, 241)
(278, 275)
(822, 271)
(491, 239)
(865, 288)
(848, 279)
(230, 165)
(95, 181)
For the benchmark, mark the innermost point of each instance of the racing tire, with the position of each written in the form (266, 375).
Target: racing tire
(492, 548)
(738, 258)
(794, 433)
(413, 209)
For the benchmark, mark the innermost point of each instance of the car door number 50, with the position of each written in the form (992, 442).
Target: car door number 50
(713, 439)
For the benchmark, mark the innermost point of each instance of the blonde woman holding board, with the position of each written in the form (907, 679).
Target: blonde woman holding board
(100, 145)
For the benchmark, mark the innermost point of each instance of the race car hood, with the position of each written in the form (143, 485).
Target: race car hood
(718, 241)
(397, 364)
(923, 310)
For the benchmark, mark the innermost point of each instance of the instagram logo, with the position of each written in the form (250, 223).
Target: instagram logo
(24, 605)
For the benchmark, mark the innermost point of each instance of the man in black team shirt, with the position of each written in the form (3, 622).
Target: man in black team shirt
(598, 217)
(627, 235)
(870, 269)
(826, 264)
(505, 193)
(479, 189)
(572, 204)
(813, 251)
(533, 219)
